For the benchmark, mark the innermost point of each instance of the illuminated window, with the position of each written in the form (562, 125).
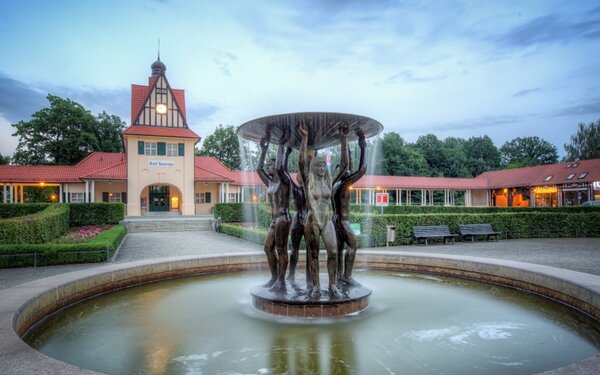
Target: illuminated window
(77, 197)
(548, 178)
(570, 177)
(582, 175)
(114, 197)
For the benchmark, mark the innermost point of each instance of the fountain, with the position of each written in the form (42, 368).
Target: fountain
(314, 192)
(433, 313)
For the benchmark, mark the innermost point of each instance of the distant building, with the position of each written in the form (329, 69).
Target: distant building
(159, 173)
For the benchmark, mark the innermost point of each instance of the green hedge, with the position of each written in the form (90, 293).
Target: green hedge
(461, 209)
(512, 224)
(259, 236)
(96, 213)
(39, 227)
(8, 210)
(93, 250)
(244, 212)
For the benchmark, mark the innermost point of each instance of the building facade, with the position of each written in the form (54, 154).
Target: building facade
(159, 173)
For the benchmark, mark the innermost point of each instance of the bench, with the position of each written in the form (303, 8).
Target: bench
(474, 230)
(433, 231)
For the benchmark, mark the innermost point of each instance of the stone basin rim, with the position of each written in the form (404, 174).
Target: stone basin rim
(18, 304)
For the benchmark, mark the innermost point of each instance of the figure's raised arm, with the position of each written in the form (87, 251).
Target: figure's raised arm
(303, 161)
(283, 153)
(345, 152)
(362, 166)
(260, 170)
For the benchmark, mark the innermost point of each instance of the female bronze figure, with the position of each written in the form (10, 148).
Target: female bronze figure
(316, 182)
(297, 230)
(341, 204)
(278, 188)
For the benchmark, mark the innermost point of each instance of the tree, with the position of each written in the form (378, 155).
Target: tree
(455, 160)
(433, 150)
(4, 159)
(65, 133)
(482, 155)
(224, 145)
(585, 144)
(528, 151)
(401, 159)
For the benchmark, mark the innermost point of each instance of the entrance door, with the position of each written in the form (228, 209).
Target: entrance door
(159, 198)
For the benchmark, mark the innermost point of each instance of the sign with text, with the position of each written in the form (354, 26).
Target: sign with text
(161, 163)
(382, 199)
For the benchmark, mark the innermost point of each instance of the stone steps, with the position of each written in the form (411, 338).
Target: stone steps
(172, 225)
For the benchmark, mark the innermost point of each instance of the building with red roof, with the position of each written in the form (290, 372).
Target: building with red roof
(158, 172)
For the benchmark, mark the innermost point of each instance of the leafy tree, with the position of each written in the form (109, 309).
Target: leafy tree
(224, 145)
(433, 150)
(455, 160)
(108, 131)
(482, 155)
(65, 133)
(585, 144)
(401, 159)
(527, 152)
(4, 159)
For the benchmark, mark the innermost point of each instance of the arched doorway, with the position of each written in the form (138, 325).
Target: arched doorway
(158, 198)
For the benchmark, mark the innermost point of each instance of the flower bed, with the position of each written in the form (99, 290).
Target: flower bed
(77, 234)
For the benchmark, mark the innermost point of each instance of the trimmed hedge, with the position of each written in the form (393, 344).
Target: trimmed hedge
(244, 212)
(390, 210)
(522, 224)
(93, 250)
(9, 210)
(39, 227)
(259, 236)
(96, 213)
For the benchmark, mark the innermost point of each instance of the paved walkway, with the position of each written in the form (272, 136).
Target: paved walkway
(578, 254)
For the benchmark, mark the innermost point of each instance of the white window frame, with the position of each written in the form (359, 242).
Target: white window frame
(115, 198)
(76, 198)
(172, 149)
(150, 148)
(232, 198)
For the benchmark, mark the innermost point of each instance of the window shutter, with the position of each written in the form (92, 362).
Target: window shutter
(105, 195)
(181, 149)
(124, 197)
(161, 148)
(207, 197)
(140, 147)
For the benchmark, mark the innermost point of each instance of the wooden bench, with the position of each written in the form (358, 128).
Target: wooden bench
(474, 230)
(432, 232)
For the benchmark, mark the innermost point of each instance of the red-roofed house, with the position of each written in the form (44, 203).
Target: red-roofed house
(159, 172)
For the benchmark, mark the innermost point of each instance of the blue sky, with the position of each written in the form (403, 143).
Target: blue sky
(451, 68)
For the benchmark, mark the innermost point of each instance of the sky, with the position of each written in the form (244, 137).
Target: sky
(504, 68)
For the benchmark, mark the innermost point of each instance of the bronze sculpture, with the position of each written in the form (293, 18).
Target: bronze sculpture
(278, 182)
(315, 194)
(341, 204)
(316, 182)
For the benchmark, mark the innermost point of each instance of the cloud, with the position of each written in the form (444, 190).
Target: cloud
(551, 28)
(411, 76)
(589, 107)
(526, 92)
(19, 100)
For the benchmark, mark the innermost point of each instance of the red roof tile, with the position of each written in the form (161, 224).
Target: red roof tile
(113, 172)
(160, 131)
(209, 169)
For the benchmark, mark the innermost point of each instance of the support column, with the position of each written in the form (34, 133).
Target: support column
(60, 193)
(398, 196)
(12, 193)
(93, 197)
(423, 197)
(4, 193)
(86, 195)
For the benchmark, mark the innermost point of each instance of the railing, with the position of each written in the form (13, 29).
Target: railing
(37, 254)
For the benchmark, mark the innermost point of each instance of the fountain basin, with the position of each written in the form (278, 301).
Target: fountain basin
(25, 305)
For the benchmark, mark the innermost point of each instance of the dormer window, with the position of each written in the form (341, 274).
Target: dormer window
(570, 177)
(575, 165)
(548, 178)
(582, 175)
(569, 166)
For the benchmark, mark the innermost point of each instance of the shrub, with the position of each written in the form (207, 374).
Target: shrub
(93, 250)
(8, 210)
(244, 212)
(461, 209)
(96, 213)
(39, 227)
(522, 224)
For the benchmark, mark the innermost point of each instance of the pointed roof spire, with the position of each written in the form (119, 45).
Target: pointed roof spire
(158, 67)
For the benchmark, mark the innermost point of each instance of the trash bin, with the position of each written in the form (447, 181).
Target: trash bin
(391, 234)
